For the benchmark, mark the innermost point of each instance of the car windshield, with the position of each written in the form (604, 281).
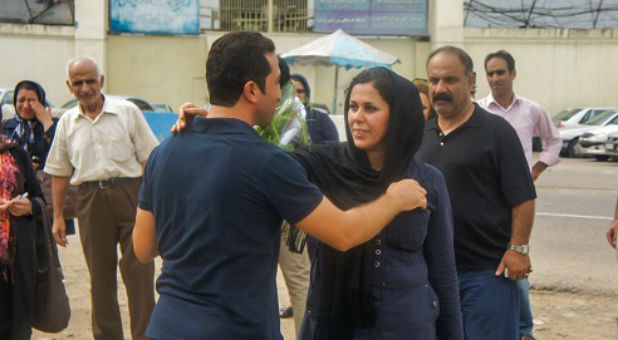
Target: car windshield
(601, 118)
(565, 114)
(614, 121)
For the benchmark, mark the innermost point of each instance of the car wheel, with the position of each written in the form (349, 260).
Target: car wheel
(601, 158)
(574, 149)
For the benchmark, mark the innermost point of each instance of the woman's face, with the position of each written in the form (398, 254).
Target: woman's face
(25, 100)
(426, 104)
(368, 118)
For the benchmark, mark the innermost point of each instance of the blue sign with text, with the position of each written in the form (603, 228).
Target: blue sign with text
(372, 17)
(174, 17)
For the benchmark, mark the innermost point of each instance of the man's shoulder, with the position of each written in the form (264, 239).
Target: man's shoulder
(488, 119)
(69, 114)
(120, 105)
(531, 103)
(485, 101)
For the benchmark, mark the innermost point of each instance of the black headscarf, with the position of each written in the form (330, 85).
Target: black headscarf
(29, 85)
(24, 131)
(344, 175)
(305, 83)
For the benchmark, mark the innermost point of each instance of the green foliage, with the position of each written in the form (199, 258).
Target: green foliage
(283, 119)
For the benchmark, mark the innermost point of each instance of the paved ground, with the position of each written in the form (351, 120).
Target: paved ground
(574, 275)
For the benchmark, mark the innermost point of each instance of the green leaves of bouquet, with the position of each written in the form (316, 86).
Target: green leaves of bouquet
(285, 115)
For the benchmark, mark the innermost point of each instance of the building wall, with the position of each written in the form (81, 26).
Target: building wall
(157, 68)
(38, 53)
(559, 68)
(172, 69)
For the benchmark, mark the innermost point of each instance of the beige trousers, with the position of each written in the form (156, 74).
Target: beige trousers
(295, 268)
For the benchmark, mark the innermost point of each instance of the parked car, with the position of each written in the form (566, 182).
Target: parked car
(571, 134)
(576, 116)
(161, 107)
(142, 104)
(593, 142)
(611, 145)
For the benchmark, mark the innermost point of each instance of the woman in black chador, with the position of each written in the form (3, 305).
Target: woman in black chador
(402, 284)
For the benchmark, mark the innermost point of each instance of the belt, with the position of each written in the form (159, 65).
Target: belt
(106, 183)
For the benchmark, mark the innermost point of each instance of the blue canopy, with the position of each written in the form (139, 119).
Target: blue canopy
(342, 49)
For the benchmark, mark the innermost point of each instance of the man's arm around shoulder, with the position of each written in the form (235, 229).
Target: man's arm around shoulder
(343, 230)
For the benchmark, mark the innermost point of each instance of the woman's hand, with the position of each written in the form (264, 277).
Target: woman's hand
(4, 205)
(42, 114)
(186, 112)
(20, 206)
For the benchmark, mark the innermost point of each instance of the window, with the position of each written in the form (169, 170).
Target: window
(45, 12)
(252, 15)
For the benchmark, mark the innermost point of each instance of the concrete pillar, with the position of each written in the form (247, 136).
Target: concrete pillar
(446, 19)
(91, 30)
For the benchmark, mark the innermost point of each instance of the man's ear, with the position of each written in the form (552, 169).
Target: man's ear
(69, 86)
(472, 79)
(102, 81)
(514, 73)
(250, 91)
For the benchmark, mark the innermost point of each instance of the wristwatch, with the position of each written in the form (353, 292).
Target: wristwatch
(524, 249)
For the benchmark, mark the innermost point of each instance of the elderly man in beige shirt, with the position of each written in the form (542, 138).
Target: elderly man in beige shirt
(101, 146)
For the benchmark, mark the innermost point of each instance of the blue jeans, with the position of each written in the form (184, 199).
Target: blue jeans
(489, 305)
(525, 313)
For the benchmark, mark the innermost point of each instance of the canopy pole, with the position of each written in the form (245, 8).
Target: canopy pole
(335, 94)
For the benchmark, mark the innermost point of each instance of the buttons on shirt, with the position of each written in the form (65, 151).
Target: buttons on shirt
(435, 303)
(378, 242)
(377, 264)
(426, 286)
(378, 252)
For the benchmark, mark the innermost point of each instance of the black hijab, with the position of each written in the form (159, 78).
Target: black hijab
(32, 86)
(23, 133)
(344, 175)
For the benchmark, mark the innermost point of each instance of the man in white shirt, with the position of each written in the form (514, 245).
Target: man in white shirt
(529, 119)
(101, 146)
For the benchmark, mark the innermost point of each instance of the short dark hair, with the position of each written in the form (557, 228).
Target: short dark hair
(233, 60)
(285, 72)
(504, 55)
(461, 54)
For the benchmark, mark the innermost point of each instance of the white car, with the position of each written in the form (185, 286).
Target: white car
(571, 134)
(570, 117)
(611, 145)
(594, 141)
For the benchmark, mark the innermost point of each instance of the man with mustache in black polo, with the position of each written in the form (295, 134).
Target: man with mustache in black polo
(491, 192)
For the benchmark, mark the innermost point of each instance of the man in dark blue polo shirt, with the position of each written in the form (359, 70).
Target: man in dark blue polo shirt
(491, 192)
(213, 199)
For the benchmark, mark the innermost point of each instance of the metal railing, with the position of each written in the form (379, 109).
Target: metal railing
(255, 15)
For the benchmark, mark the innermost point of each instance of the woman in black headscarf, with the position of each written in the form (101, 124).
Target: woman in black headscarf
(33, 129)
(402, 284)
